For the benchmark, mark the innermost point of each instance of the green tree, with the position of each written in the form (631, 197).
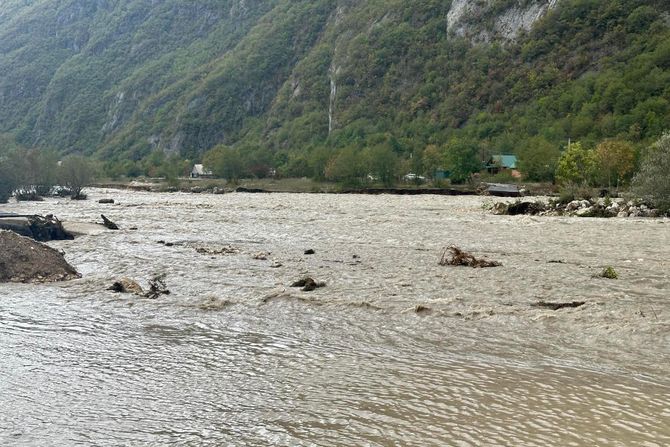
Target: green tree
(652, 181)
(382, 162)
(433, 159)
(225, 162)
(462, 159)
(172, 168)
(615, 161)
(576, 165)
(538, 159)
(346, 166)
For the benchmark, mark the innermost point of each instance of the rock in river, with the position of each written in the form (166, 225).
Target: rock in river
(27, 261)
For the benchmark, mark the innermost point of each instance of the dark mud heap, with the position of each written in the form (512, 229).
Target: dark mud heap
(24, 260)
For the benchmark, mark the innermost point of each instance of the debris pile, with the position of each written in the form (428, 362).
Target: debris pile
(157, 287)
(225, 250)
(454, 256)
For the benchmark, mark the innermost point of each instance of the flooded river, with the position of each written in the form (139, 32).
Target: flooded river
(395, 350)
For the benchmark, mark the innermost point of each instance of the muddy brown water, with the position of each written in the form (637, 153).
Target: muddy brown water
(236, 357)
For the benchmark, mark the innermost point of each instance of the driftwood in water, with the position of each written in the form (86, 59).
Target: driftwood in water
(557, 306)
(108, 223)
(453, 255)
(157, 287)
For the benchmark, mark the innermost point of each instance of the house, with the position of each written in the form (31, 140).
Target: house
(441, 174)
(199, 171)
(502, 163)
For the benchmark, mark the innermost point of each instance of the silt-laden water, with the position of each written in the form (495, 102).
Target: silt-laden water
(234, 356)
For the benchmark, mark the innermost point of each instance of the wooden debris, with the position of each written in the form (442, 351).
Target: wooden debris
(157, 287)
(226, 250)
(558, 306)
(453, 255)
(108, 223)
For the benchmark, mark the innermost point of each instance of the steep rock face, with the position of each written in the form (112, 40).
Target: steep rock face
(124, 78)
(484, 20)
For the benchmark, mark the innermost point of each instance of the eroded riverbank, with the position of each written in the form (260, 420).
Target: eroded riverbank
(352, 362)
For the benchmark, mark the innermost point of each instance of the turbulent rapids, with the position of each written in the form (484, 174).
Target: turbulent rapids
(394, 349)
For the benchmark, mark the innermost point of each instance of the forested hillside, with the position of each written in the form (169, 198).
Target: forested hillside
(324, 87)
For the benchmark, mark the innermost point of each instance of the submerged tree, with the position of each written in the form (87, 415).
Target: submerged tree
(76, 172)
(652, 181)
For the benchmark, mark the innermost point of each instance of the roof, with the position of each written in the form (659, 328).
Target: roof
(503, 161)
(200, 170)
(503, 190)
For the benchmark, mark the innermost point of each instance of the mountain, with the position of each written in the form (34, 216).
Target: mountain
(293, 81)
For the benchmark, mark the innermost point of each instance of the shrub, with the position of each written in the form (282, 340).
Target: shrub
(652, 182)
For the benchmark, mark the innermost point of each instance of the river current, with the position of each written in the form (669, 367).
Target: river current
(394, 350)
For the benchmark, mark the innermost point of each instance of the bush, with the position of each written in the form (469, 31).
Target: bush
(652, 182)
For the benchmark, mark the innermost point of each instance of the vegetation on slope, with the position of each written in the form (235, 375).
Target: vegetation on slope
(327, 88)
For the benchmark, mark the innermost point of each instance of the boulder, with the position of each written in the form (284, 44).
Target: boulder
(573, 206)
(126, 285)
(530, 208)
(308, 284)
(24, 260)
(614, 208)
(584, 212)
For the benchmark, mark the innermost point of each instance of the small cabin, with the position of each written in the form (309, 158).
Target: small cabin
(501, 163)
(199, 171)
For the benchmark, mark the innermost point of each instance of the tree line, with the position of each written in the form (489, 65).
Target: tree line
(30, 174)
